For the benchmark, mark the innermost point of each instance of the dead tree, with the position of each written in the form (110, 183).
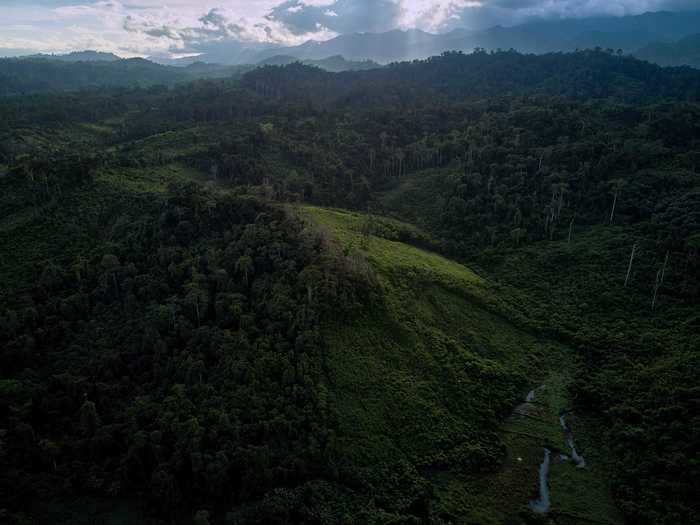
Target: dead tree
(629, 267)
(571, 228)
(660, 275)
(612, 212)
(656, 290)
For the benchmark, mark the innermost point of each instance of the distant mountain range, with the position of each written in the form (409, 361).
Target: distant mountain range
(685, 52)
(662, 37)
(629, 34)
(44, 74)
(668, 39)
(89, 70)
(80, 56)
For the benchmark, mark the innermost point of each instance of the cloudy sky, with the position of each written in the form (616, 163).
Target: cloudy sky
(186, 27)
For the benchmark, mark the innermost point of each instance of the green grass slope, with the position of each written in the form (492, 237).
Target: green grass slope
(424, 381)
(636, 347)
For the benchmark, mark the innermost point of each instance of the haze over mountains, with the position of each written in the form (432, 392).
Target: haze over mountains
(665, 38)
(630, 34)
(80, 56)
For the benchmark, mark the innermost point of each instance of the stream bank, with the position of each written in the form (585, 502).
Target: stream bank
(544, 477)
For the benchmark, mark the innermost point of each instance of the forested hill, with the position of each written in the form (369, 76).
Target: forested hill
(583, 74)
(186, 330)
(49, 74)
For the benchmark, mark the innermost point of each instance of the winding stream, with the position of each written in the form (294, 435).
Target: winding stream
(542, 504)
(580, 462)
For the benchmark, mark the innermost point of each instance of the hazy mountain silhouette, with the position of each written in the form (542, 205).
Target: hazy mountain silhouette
(333, 64)
(81, 56)
(628, 33)
(685, 52)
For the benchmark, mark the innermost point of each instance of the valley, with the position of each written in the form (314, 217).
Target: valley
(379, 296)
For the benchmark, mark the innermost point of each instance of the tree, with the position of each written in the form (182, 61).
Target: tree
(616, 185)
(245, 267)
(89, 419)
(629, 266)
(201, 517)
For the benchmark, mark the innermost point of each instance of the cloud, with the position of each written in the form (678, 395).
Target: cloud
(479, 14)
(218, 26)
(160, 27)
(338, 16)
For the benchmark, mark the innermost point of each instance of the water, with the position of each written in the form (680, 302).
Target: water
(542, 504)
(531, 394)
(580, 461)
(530, 398)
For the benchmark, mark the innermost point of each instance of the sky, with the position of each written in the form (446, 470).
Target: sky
(175, 28)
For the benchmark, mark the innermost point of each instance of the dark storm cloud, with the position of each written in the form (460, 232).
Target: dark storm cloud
(340, 16)
(487, 13)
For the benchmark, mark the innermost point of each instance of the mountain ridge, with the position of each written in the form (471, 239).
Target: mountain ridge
(643, 35)
(88, 55)
(628, 33)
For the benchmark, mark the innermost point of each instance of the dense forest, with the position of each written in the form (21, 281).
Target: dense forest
(47, 74)
(174, 292)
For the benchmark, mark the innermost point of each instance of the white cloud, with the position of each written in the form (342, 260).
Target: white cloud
(144, 27)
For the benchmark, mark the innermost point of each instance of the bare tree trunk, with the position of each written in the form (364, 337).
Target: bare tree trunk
(561, 202)
(571, 228)
(629, 267)
(659, 282)
(656, 290)
(612, 213)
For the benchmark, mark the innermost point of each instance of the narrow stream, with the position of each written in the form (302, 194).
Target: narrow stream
(580, 462)
(542, 504)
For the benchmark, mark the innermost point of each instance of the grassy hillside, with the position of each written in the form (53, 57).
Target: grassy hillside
(425, 381)
(421, 382)
(633, 337)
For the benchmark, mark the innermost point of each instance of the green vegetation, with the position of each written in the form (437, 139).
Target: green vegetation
(46, 74)
(440, 368)
(193, 328)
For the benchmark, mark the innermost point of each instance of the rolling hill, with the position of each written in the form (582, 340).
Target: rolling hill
(422, 293)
